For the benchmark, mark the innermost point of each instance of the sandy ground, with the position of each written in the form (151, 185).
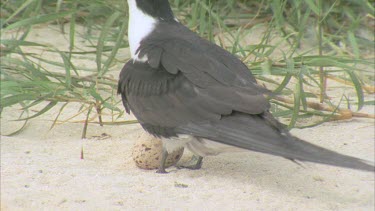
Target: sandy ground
(41, 169)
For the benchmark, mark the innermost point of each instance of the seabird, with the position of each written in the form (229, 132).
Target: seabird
(191, 92)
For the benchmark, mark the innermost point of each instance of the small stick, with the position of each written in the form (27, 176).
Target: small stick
(343, 113)
(82, 156)
(99, 111)
(368, 88)
(86, 123)
(323, 80)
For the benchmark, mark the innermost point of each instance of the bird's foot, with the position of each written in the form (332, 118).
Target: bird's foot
(162, 171)
(194, 164)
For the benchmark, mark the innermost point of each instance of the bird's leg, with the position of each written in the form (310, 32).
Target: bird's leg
(194, 164)
(161, 169)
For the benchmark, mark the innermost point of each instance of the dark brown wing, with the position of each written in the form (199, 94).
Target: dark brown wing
(177, 49)
(161, 99)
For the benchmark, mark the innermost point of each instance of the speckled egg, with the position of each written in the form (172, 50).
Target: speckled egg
(147, 153)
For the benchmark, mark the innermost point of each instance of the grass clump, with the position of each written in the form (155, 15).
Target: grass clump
(292, 46)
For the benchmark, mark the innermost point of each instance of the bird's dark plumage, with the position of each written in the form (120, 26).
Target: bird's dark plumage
(191, 86)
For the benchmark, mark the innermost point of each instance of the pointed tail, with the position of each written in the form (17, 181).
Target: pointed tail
(259, 134)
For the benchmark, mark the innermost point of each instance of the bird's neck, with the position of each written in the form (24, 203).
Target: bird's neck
(140, 26)
(143, 16)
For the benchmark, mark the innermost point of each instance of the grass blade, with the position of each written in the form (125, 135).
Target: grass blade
(358, 88)
(44, 110)
(37, 20)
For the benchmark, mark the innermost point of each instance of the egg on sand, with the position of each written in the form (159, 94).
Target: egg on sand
(147, 153)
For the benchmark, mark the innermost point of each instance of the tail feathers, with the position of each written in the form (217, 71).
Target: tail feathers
(255, 134)
(314, 153)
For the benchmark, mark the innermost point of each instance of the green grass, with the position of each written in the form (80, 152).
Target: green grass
(303, 42)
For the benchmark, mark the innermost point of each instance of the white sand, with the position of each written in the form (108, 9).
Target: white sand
(41, 169)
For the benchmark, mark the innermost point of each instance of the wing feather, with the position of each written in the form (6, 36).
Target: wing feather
(190, 86)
